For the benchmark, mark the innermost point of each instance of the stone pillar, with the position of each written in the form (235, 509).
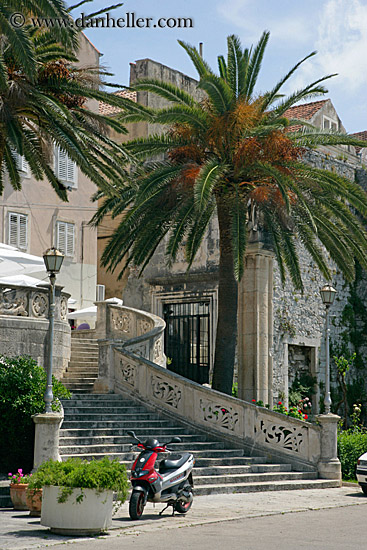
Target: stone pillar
(255, 326)
(105, 382)
(329, 466)
(46, 440)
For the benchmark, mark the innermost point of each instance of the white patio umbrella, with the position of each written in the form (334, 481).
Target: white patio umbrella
(90, 312)
(21, 280)
(16, 262)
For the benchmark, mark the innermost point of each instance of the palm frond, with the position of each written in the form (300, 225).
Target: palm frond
(200, 65)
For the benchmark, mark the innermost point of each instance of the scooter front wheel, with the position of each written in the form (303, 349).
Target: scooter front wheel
(136, 504)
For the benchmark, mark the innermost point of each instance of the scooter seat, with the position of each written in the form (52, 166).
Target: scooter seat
(173, 463)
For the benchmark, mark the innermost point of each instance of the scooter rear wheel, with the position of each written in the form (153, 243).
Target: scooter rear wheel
(136, 505)
(182, 507)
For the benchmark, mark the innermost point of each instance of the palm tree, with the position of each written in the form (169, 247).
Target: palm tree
(233, 155)
(15, 33)
(43, 101)
(51, 109)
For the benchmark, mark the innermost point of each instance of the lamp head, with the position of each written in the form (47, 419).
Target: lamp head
(53, 259)
(328, 294)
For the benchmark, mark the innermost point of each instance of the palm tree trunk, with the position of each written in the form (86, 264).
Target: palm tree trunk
(225, 345)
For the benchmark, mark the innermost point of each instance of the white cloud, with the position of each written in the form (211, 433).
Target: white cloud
(341, 45)
(254, 16)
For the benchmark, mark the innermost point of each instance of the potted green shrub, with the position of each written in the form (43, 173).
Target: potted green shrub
(78, 495)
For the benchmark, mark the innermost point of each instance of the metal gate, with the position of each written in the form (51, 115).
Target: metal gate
(187, 339)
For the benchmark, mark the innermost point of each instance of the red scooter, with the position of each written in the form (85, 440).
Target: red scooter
(171, 484)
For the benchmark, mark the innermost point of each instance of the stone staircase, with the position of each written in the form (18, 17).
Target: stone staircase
(96, 426)
(83, 366)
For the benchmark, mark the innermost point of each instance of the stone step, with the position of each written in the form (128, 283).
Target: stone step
(84, 350)
(85, 363)
(76, 338)
(5, 500)
(77, 382)
(125, 441)
(235, 478)
(163, 434)
(235, 469)
(86, 369)
(79, 388)
(70, 375)
(112, 410)
(200, 449)
(146, 425)
(214, 462)
(96, 397)
(265, 486)
(122, 454)
(130, 418)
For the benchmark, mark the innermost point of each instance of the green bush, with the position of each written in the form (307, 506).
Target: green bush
(22, 386)
(101, 475)
(351, 445)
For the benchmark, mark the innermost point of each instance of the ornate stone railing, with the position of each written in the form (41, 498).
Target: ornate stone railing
(128, 366)
(31, 302)
(135, 331)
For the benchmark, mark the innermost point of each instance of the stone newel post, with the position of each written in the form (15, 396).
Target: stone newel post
(46, 440)
(329, 466)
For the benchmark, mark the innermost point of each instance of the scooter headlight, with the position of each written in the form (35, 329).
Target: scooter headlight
(140, 473)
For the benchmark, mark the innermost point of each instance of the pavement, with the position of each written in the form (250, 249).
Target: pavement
(19, 531)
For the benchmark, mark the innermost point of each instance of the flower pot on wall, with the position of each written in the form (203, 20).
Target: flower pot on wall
(18, 495)
(34, 502)
(90, 516)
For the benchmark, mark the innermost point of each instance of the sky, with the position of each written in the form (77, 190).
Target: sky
(337, 29)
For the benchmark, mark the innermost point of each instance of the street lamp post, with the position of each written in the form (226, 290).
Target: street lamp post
(327, 295)
(53, 259)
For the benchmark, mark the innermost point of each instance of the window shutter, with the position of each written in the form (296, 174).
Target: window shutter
(21, 164)
(18, 230)
(23, 232)
(62, 165)
(65, 238)
(66, 169)
(70, 239)
(61, 237)
(71, 171)
(13, 229)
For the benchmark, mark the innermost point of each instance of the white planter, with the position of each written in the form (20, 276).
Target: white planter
(90, 516)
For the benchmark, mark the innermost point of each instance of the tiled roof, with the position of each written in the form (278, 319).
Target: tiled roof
(105, 109)
(305, 111)
(362, 136)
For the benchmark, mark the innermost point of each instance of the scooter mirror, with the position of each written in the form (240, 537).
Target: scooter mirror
(175, 440)
(132, 434)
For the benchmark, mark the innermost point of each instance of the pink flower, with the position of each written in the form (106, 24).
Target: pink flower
(20, 471)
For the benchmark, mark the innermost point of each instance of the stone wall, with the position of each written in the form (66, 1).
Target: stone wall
(24, 326)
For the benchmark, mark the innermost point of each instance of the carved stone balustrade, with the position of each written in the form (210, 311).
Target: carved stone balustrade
(132, 361)
(135, 331)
